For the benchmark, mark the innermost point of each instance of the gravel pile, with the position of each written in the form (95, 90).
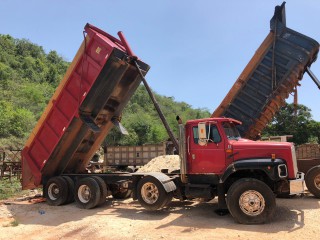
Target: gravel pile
(170, 162)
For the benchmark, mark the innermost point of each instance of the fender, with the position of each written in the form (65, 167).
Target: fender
(165, 180)
(267, 165)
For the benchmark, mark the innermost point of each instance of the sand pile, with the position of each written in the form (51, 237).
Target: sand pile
(170, 162)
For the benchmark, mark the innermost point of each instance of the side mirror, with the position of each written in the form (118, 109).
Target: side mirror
(202, 133)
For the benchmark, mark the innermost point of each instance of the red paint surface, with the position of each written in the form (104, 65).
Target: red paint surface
(66, 105)
(213, 157)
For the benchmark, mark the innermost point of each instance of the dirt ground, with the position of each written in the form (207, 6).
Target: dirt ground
(296, 218)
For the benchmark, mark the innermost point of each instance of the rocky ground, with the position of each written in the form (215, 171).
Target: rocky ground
(296, 218)
(32, 218)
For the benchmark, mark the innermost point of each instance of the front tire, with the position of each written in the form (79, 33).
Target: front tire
(87, 193)
(151, 194)
(313, 181)
(251, 201)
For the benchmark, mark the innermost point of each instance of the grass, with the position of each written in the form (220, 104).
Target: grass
(9, 189)
(13, 223)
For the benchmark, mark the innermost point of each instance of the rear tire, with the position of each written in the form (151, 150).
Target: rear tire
(313, 181)
(56, 191)
(87, 193)
(103, 189)
(151, 194)
(70, 183)
(251, 201)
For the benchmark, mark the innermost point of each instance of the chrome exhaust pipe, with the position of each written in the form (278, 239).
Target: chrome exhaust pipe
(182, 151)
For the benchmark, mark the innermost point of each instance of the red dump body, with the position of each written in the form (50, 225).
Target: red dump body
(95, 89)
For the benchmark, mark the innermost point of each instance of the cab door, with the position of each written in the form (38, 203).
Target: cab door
(209, 158)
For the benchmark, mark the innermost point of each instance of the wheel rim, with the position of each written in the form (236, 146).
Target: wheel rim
(252, 203)
(84, 193)
(149, 193)
(317, 181)
(53, 191)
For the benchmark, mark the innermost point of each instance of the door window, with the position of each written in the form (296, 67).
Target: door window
(211, 130)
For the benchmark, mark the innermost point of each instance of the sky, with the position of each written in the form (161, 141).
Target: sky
(196, 49)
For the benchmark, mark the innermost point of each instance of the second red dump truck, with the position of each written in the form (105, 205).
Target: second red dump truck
(272, 74)
(215, 161)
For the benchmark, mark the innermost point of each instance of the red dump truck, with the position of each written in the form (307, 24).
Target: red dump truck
(215, 161)
(272, 74)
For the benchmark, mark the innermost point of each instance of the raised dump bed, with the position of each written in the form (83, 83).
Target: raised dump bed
(96, 87)
(271, 75)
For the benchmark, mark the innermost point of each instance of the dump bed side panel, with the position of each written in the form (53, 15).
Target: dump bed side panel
(268, 79)
(95, 89)
(133, 155)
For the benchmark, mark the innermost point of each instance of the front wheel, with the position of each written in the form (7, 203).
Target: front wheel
(151, 194)
(313, 181)
(251, 201)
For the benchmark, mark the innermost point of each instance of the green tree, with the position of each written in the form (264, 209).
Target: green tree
(6, 114)
(143, 123)
(314, 129)
(14, 121)
(291, 120)
(24, 85)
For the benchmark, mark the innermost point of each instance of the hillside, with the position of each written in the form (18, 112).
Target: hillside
(28, 78)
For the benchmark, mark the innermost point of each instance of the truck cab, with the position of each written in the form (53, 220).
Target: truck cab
(213, 144)
(209, 144)
(246, 175)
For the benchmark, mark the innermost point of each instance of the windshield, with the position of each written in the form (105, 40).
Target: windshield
(231, 131)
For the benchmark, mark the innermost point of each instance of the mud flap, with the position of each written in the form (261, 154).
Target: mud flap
(222, 204)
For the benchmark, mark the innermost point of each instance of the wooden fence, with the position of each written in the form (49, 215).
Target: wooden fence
(10, 163)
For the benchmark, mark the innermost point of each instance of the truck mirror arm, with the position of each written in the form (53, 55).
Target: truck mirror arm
(313, 77)
(156, 105)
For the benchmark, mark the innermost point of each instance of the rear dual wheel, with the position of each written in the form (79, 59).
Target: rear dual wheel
(56, 191)
(103, 189)
(70, 183)
(90, 192)
(87, 193)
